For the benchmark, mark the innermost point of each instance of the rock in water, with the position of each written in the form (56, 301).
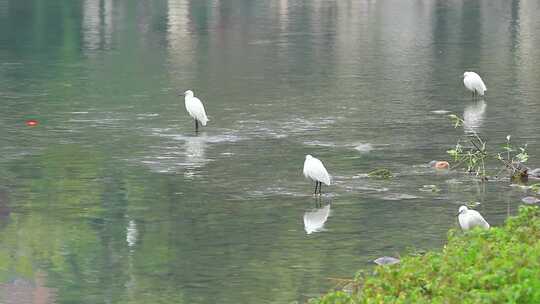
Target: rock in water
(386, 261)
(530, 200)
(439, 164)
(518, 170)
(381, 173)
(429, 188)
(535, 173)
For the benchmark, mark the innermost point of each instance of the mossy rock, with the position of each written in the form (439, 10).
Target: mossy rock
(381, 173)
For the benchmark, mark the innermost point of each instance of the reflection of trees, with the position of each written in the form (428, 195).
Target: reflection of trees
(71, 221)
(50, 226)
(24, 291)
(44, 26)
(471, 35)
(72, 212)
(75, 211)
(97, 23)
(4, 208)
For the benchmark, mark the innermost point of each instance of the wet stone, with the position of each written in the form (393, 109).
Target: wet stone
(530, 200)
(386, 260)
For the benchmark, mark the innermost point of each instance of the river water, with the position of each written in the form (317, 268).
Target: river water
(113, 198)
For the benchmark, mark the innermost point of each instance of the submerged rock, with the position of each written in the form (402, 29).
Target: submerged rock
(398, 197)
(367, 147)
(530, 200)
(535, 173)
(382, 173)
(429, 188)
(386, 260)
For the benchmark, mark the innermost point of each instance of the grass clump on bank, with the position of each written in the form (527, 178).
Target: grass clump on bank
(499, 265)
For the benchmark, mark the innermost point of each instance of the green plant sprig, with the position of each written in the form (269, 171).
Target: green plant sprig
(476, 154)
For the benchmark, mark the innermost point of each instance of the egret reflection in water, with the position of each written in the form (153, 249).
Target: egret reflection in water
(315, 219)
(131, 233)
(473, 116)
(195, 150)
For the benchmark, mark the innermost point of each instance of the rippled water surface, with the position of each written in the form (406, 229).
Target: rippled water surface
(113, 198)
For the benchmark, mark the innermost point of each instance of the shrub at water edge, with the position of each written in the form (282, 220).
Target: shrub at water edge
(499, 265)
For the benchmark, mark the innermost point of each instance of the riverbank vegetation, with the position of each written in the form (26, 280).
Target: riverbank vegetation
(499, 265)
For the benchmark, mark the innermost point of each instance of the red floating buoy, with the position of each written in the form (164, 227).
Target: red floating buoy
(31, 123)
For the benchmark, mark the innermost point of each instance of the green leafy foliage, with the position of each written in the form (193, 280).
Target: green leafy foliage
(499, 265)
(475, 153)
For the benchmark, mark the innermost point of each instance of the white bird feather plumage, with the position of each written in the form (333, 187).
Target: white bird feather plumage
(315, 170)
(195, 107)
(474, 83)
(469, 219)
(314, 220)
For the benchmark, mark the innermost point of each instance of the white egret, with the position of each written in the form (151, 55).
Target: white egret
(195, 109)
(469, 219)
(314, 220)
(315, 170)
(474, 83)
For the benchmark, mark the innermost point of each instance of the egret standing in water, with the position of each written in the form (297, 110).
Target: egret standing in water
(474, 83)
(315, 170)
(195, 109)
(469, 219)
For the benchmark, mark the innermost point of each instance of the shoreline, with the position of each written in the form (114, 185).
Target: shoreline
(499, 265)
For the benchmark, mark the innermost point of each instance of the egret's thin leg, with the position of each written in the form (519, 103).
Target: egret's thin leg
(196, 126)
(316, 184)
(320, 188)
